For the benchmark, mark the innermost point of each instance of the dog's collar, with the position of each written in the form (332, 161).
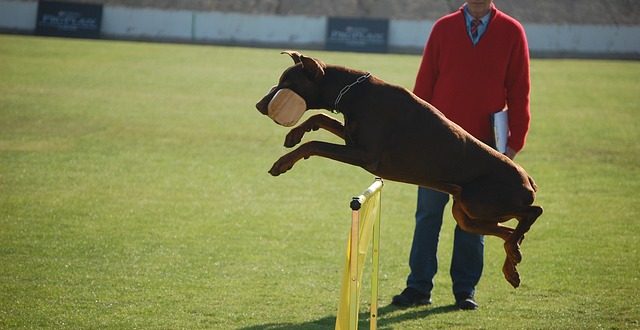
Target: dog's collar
(346, 89)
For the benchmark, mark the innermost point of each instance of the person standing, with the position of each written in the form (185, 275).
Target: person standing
(475, 63)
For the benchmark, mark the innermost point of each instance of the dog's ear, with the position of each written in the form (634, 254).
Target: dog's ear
(294, 55)
(313, 67)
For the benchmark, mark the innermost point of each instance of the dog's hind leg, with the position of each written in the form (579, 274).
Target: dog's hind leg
(494, 228)
(478, 226)
(314, 123)
(525, 219)
(510, 272)
(512, 243)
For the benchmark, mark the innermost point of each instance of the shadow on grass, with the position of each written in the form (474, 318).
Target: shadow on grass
(387, 316)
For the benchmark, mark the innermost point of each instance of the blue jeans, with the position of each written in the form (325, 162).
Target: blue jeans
(468, 249)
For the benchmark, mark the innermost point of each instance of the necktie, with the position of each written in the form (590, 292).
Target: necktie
(474, 27)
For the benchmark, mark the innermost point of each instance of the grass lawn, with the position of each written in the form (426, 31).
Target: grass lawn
(134, 194)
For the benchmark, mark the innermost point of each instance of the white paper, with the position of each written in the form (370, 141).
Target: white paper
(500, 121)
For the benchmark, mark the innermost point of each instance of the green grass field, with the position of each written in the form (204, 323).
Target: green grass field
(134, 194)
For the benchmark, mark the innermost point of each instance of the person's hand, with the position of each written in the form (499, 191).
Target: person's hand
(510, 153)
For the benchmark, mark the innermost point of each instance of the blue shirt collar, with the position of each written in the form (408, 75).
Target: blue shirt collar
(481, 29)
(469, 18)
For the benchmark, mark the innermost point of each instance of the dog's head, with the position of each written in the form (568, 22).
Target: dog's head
(297, 90)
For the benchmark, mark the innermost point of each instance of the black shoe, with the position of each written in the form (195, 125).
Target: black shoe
(465, 301)
(411, 297)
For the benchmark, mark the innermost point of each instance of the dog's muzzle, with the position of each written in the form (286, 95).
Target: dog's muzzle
(286, 107)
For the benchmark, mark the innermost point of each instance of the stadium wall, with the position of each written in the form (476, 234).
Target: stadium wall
(306, 32)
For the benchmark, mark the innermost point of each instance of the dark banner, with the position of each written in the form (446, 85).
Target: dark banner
(68, 19)
(357, 34)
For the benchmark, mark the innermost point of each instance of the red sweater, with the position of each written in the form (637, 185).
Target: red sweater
(468, 83)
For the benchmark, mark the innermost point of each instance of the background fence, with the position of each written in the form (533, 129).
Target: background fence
(297, 31)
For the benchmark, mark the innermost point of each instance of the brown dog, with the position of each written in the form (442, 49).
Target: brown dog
(395, 135)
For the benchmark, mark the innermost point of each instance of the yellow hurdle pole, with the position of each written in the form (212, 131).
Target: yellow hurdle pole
(352, 284)
(375, 190)
(353, 270)
(375, 257)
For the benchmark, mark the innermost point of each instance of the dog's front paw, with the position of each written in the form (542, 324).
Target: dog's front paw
(294, 137)
(280, 166)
